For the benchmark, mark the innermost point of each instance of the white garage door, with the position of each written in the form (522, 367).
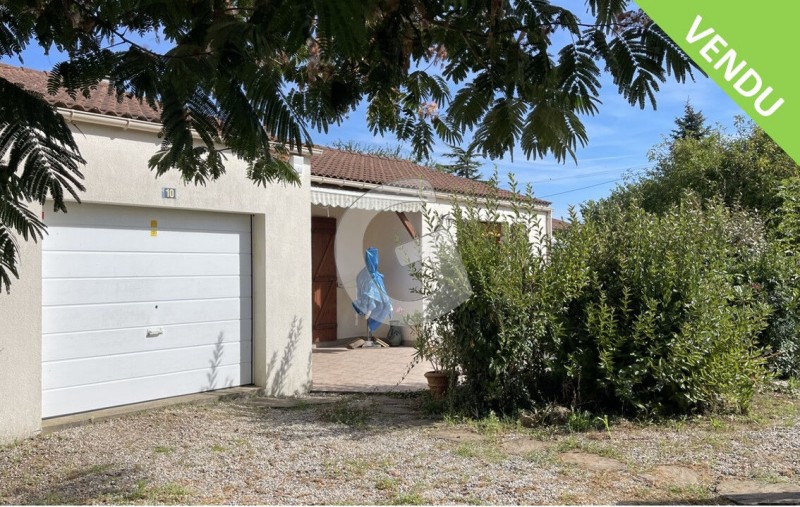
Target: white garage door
(143, 303)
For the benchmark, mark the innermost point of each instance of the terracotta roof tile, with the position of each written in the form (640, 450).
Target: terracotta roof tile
(345, 165)
(560, 225)
(100, 101)
(331, 163)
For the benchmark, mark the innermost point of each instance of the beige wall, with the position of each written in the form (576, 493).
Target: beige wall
(542, 222)
(385, 232)
(116, 174)
(21, 347)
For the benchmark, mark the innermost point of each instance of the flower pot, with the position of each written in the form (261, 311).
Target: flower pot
(438, 382)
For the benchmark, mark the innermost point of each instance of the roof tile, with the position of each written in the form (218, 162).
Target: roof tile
(336, 164)
(364, 168)
(103, 99)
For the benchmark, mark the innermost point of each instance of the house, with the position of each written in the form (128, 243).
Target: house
(361, 200)
(152, 288)
(559, 225)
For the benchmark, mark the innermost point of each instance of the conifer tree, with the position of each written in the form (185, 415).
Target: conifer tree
(692, 125)
(464, 162)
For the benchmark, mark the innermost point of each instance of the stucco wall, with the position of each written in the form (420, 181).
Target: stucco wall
(539, 231)
(21, 347)
(116, 174)
(385, 232)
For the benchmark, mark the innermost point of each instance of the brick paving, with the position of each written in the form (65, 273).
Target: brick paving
(378, 370)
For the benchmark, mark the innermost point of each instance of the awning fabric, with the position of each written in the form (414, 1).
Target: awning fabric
(374, 201)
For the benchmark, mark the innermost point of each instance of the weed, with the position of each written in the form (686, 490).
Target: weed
(604, 421)
(543, 433)
(718, 424)
(356, 467)
(347, 414)
(386, 484)
(580, 421)
(541, 458)
(139, 492)
(83, 472)
(569, 498)
(407, 499)
(300, 404)
(54, 498)
(331, 468)
(347, 469)
(568, 444)
(466, 450)
(384, 464)
(488, 452)
(767, 408)
(493, 425)
(14, 443)
(169, 493)
(573, 444)
(691, 493)
(218, 448)
(163, 449)
(679, 424)
(769, 477)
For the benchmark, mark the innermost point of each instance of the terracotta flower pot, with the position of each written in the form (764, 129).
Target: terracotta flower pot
(438, 382)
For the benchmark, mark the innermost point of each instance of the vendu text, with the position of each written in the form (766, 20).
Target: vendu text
(748, 83)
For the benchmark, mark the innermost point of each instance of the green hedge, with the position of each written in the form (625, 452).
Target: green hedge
(626, 311)
(660, 323)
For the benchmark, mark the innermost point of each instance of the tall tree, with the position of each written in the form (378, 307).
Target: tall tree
(692, 125)
(464, 163)
(257, 76)
(746, 170)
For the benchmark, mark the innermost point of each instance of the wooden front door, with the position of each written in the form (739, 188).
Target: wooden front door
(323, 265)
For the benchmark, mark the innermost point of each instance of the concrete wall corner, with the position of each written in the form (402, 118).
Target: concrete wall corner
(21, 347)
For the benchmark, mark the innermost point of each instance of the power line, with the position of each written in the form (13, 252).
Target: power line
(632, 170)
(582, 188)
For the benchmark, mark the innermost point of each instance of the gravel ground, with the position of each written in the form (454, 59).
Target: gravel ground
(385, 450)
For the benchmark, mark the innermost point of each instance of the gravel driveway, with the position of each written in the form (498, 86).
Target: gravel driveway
(385, 449)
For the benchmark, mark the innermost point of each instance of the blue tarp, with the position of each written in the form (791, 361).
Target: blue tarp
(372, 297)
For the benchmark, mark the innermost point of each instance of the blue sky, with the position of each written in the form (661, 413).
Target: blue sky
(620, 135)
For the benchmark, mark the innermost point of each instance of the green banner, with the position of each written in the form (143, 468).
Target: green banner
(749, 49)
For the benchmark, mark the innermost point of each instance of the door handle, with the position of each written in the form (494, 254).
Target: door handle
(153, 332)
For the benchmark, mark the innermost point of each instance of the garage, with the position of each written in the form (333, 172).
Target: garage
(143, 303)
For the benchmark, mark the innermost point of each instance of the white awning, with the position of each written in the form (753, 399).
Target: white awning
(366, 200)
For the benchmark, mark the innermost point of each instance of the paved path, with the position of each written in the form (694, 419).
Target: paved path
(339, 369)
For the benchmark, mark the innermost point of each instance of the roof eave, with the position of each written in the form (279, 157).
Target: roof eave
(317, 180)
(121, 122)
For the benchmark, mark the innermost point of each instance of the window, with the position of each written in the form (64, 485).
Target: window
(493, 229)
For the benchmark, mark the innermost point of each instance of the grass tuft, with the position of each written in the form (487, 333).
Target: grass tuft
(346, 413)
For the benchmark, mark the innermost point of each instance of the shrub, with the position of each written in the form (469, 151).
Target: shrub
(777, 275)
(497, 335)
(658, 322)
(626, 311)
